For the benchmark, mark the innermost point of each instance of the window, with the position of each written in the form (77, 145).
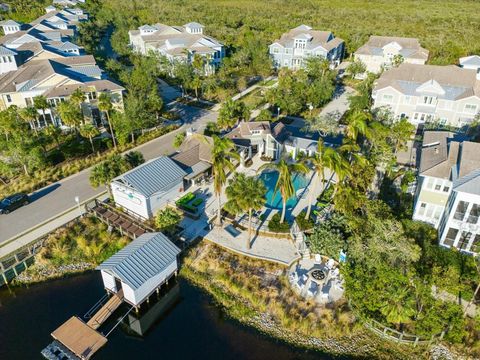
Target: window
(451, 236)
(446, 188)
(421, 210)
(29, 102)
(476, 242)
(438, 212)
(387, 97)
(406, 100)
(474, 213)
(461, 210)
(438, 187)
(9, 98)
(464, 240)
(287, 51)
(429, 100)
(276, 50)
(430, 183)
(470, 108)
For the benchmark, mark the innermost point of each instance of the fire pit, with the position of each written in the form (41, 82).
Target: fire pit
(318, 274)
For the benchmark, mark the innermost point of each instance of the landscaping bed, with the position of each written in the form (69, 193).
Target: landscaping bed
(189, 202)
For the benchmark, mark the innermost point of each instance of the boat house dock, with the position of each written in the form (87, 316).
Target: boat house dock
(131, 277)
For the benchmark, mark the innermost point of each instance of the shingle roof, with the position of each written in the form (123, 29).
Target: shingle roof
(142, 259)
(154, 176)
(456, 83)
(316, 38)
(410, 47)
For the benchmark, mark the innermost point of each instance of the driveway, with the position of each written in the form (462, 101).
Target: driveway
(59, 197)
(339, 105)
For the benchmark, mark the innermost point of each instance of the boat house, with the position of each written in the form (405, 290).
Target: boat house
(147, 188)
(140, 268)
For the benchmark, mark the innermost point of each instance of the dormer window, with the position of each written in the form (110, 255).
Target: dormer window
(300, 44)
(429, 100)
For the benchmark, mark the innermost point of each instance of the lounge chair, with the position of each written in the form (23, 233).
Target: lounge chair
(318, 258)
(330, 264)
(312, 290)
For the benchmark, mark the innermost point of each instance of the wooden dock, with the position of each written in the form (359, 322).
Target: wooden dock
(104, 313)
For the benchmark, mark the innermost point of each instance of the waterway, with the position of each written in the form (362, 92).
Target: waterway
(194, 328)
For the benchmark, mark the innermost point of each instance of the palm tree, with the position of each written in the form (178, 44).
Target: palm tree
(103, 173)
(284, 183)
(245, 194)
(53, 132)
(29, 114)
(105, 104)
(223, 152)
(89, 131)
(400, 307)
(358, 124)
(324, 157)
(231, 113)
(70, 114)
(78, 98)
(40, 103)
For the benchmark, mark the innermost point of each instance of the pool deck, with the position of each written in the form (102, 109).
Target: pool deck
(280, 251)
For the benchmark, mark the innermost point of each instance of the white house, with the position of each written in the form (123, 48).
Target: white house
(140, 268)
(302, 42)
(425, 93)
(8, 60)
(10, 26)
(448, 191)
(471, 62)
(380, 51)
(178, 43)
(147, 188)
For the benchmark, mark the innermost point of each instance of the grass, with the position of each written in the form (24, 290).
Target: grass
(257, 293)
(87, 242)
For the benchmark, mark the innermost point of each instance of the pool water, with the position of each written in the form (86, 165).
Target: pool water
(274, 200)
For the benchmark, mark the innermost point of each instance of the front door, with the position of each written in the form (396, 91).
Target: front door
(118, 284)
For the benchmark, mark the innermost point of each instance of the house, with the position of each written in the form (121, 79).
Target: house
(302, 42)
(149, 187)
(425, 93)
(471, 62)
(195, 157)
(8, 60)
(178, 43)
(448, 191)
(380, 52)
(272, 140)
(140, 268)
(57, 79)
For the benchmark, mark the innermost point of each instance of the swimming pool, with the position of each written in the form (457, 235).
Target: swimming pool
(274, 201)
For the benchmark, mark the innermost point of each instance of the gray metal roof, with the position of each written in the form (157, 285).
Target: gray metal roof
(154, 176)
(142, 259)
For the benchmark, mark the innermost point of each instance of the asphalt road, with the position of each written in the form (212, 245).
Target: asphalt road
(58, 197)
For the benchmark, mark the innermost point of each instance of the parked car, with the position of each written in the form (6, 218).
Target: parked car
(13, 202)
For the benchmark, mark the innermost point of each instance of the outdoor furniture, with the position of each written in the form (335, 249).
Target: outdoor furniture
(300, 284)
(293, 276)
(325, 297)
(330, 264)
(232, 231)
(336, 272)
(304, 278)
(318, 258)
(312, 290)
(318, 274)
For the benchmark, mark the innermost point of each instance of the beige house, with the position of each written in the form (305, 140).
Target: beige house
(178, 43)
(380, 52)
(425, 93)
(448, 191)
(302, 42)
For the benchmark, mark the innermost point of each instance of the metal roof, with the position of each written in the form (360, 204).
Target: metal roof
(154, 176)
(142, 259)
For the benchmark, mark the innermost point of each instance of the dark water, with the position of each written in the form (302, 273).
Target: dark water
(194, 328)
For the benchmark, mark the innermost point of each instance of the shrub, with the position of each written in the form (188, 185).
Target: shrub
(275, 225)
(167, 219)
(185, 199)
(304, 224)
(197, 202)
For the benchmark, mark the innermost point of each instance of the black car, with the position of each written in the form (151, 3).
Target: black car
(13, 202)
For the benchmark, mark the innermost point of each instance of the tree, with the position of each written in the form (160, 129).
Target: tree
(324, 157)
(324, 124)
(134, 158)
(223, 153)
(284, 183)
(70, 114)
(231, 113)
(264, 115)
(358, 125)
(89, 131)
(105, 105)
(329, 237)
(103, 173)
(355, 68)
(178, 140)
(397, 60)
(78, 98)
(167, 219)
(29, 115)
(245, 194)
(54, 133)
(40, 103)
